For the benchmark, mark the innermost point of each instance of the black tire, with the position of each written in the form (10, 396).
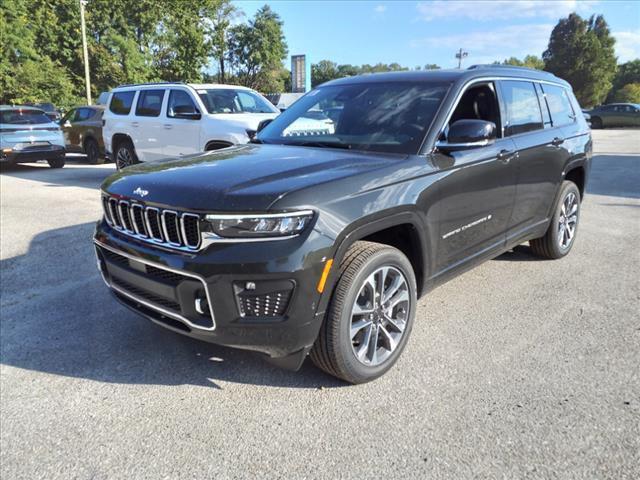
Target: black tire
(125, 154)
(56, 162)
(550, 245)
(596, 122)
(334, 349)
(92, 151)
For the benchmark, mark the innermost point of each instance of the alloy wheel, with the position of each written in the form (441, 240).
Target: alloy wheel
(568, 220)
(379, 315)
(123, 158)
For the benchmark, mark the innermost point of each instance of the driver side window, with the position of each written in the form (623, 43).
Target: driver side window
(479, 102)
(179, 101)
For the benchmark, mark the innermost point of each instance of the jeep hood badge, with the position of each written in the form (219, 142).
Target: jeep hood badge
(141, 192)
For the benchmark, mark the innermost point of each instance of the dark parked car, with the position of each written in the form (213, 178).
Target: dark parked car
(321, 243)
(82, 128)
(615, 115)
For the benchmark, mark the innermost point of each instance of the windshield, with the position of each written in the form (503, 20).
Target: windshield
(227, 100)
(382, 117)
(23, 117)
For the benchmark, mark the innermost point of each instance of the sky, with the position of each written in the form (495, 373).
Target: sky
(415, 33)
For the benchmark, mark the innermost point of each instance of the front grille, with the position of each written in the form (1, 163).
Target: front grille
(168, 227)
(272, 304)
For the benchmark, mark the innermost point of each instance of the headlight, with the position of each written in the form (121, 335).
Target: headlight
(261, 225)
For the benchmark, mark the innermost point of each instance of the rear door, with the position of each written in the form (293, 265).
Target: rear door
(541, 153)
(181, 136)
(149, 135)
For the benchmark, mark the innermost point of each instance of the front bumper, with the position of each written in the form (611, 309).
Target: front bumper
(256, 296)
(32, 154)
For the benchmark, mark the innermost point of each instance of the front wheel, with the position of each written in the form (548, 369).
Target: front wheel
(125, 155)
(56, 162)
(561, 234)
(370, 315)
(596, 122)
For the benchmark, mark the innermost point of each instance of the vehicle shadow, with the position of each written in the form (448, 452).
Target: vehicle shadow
(80, 175)
(615, 175)
(57, 317)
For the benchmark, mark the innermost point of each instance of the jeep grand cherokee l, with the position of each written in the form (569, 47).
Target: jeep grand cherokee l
(321, 243)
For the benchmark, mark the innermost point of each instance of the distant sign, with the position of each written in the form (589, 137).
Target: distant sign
(300, 74)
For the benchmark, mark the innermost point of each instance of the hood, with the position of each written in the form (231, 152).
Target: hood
(243, 120)
(240, 179)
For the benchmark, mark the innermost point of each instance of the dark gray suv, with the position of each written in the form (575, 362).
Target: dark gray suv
(319, 236)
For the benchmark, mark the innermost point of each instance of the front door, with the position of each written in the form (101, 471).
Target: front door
(181, 135)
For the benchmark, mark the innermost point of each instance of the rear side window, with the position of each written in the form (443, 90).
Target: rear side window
(179, 102)
(149, 103)
(523, 109)
(559, 105)
(121, 102)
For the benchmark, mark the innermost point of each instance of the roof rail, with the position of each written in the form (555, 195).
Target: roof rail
(500, 65)
(149, 83)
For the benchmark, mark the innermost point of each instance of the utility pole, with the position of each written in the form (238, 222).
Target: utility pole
(85, 52)
(460, 55)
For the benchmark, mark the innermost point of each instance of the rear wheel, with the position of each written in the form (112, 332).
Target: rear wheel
(92, 150)
(125, 155)
(56, 162)
(370, 315)
(561, 234)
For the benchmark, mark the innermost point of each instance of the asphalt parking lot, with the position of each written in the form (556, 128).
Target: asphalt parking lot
(521, 368)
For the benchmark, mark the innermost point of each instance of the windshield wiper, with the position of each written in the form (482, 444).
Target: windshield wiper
(316, 143)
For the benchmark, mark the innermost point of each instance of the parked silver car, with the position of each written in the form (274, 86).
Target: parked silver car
(27, 135)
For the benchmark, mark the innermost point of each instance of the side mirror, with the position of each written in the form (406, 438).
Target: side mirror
(263, 124)
(66, 124)
(468, 133)
(186, 112)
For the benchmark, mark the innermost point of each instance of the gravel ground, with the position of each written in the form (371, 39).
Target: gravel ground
(521, 368)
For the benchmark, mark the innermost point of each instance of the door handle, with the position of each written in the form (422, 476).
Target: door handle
(557, 141)
(505, 156)
(135, 124)
(167, 126)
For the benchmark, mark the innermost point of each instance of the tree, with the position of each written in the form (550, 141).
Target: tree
(627, 73)
(257, 50)
(530, 61)
(221, 23)
(431, 66)
(630, 93)
(323, 71)
(581, 51)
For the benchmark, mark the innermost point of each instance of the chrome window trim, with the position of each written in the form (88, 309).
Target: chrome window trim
(474, 81)
(152, 305)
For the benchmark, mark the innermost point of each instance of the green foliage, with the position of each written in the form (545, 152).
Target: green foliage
(581, 51)
(257, 49)
(630, 93)
(627, 73)
(326, 70)
(530, 61)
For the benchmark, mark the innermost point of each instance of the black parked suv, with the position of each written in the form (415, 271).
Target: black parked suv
(320, 240)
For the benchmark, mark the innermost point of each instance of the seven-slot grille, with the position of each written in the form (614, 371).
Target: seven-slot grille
(168, 227)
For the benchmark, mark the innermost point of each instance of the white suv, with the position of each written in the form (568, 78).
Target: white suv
(152, 121)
